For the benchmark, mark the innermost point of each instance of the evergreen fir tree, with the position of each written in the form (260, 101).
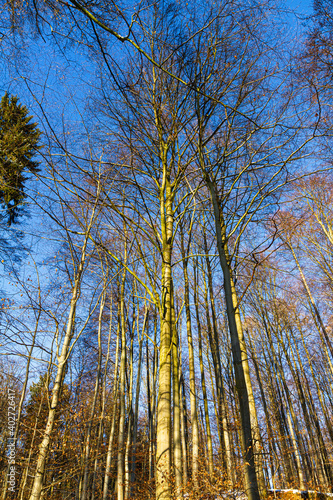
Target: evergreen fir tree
(18, 145)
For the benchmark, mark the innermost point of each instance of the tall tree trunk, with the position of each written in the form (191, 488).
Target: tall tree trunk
(31, 450)
(58, 384)
(23, 394)
(150, 418)
(319, 450)
(271, 440)
(314, 416)
(102, 415)
(114, 412)
(202, 373)
(163, 434)
(130, 414)
(240, 360)
(84, 494)
(183, 428)
(137, 395)
(122, 380)
(177, 444)
(324, 335)
(214, 345)
(193, 397)
(152, 402)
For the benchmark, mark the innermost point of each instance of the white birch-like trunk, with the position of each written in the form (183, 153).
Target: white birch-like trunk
(62, 360)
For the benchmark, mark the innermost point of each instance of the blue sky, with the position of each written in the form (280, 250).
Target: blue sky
(45, 77)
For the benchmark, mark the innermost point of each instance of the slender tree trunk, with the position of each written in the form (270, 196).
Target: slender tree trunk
(183, 428)
(84, 493)
(324, 335)
(113, 419)
(203, 382)
(31, 449)
(22, 398)
(122, 380)
(242, 374)
(150, 418)
(294, 370)
(296, 451)
(271, 440)
(56, 391)
(311, 419)
(193, 396)
(130, 413)
(317, 426)
(102, 415)
(137, 396)
(290, 415)
(214, 345)
(153, 402)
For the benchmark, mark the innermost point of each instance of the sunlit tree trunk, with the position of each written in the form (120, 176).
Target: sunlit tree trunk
(58, 384)
(183, 428)
(129, 412)
(163, 435)
(193, 398)
(150, 417)
(137, 396)
(22, 398)
(202, 373)
(114, 413)
(316, 423)
(122, 380)
(240, 360)
(94, 402)
(177, 441)
(101, 426)
(311, 419)
(25, 474)
(296, 451)
(214, 345)
(271, 441)
(322, 330)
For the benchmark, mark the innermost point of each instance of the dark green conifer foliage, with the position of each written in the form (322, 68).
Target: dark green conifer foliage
(18, 145)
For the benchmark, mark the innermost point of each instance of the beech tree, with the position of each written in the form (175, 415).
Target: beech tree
(185, 366)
